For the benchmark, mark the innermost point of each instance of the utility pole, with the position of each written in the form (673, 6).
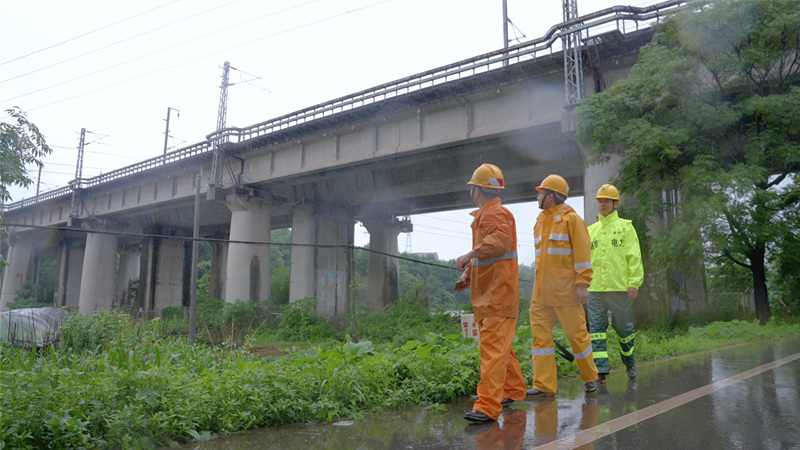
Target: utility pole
(505, 29)
(216, 165)
(166, 133)
(76, 183)
(193, 276)
(39, 180)
(573, 64)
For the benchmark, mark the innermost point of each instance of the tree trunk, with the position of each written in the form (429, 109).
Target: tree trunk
(760, 295)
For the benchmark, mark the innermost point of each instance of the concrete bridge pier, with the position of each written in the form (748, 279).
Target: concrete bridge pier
(383, 271)
(248, 265)
(163, 269)
(322, 262)
(594, 177)
(129, 265)
(20, 252)
(219, 264)
(70, 271)
(98, 278)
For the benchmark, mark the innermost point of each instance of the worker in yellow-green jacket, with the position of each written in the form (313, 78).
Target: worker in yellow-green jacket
(618, 275)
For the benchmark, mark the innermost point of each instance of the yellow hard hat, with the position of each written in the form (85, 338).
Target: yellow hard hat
(555, 183)
(607, 191)
(488, 176)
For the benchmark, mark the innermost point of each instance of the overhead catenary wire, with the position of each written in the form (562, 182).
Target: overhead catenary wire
(223, 241)
(225, 50)
(88, 33)
(108, 46)
(230, 241)
(129, 61)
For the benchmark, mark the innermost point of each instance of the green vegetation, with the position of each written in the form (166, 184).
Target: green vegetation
(708, 131)
(114, 382)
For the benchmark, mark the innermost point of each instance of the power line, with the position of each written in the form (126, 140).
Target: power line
(226, 241)
(146, 55)
(86, 34)
(110, 45)
(202, 57)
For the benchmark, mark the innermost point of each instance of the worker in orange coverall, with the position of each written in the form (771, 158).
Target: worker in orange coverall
(563, 268)
(491, 271)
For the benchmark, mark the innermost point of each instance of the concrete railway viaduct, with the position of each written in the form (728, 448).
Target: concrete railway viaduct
(376, 156)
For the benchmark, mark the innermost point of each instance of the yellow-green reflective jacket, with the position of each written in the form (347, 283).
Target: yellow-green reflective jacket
(616, 258)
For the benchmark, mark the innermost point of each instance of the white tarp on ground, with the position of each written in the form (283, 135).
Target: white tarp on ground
(30, 326)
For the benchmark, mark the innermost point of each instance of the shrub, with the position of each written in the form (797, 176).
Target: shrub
(300, 321)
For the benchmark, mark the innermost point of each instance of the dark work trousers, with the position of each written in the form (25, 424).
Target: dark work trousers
(621, 319)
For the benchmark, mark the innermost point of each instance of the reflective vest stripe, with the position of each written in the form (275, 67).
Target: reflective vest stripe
(489, 262)
(537, 240)
(559, 251)
(559, 237)
(543, 351)
(583, 265)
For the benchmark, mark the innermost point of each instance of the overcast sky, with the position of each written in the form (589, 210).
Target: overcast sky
(115, 67)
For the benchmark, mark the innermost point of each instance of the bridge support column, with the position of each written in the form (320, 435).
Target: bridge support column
(163, 276)
(383, 271)
(248, 269)
(594, 177)
(325, 271)
(70, 271)
(98, 278)
(302, 276)
(129, 265)
(16, 272)
(219, 264)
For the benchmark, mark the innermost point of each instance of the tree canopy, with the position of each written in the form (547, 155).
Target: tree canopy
(21, 144)
(710, 113)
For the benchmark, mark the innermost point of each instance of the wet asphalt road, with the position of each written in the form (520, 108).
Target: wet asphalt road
(742, 397)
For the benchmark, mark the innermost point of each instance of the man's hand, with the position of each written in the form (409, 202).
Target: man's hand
(633, 293)
(464, 259)
(463, 281)
(583, 294)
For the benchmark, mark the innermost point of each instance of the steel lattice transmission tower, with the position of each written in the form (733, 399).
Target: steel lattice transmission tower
(216, 165)
(573, 64)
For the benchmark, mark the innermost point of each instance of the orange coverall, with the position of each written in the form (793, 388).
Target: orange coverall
(494, 294)
(563, 262)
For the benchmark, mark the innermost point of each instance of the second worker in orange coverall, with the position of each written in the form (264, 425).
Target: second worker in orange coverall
(491, 271)
(563, 268)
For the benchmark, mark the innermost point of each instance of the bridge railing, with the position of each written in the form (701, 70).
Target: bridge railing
(594, 24)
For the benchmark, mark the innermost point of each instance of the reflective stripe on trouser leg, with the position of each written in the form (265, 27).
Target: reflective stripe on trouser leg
(626, 347)
(544, 356)
(501, 375)
(597, 313)
(622, 321)
(573, 320)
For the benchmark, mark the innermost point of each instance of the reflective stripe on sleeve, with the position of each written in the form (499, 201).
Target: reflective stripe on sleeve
(489, 262)
(583, 265)
(537, 239)
(559, 251)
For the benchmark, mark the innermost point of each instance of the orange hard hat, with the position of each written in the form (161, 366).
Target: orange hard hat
(488, 176)
(555, 183)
